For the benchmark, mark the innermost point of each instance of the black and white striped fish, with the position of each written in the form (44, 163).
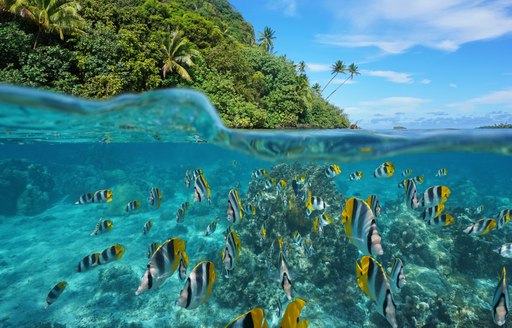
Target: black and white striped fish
(188, 178)
(54, 294)
(430, 213)
(332, 171)
(259, 173)
(112, 253)
(373, 202)
(442, 220)
(101, 227)
(100, 196)
(385, 170)
(354, 176)
(284, 273)
(234, 212)
(151, 249)
(435, 195)
(397, 277)
(230, 253)
(132, 206)
(155, 198)
(88, 262)
(406, 172)
(411, 194)
(500, 300)
(201, 189)
(182, 267)
(211, 227)
(254, 318)
(481, 227)
(505, 250)
(442, 172)
(180, 214)
(85, 199)
(503, 217)
(315, 203)
(198, 287)
(147, 226)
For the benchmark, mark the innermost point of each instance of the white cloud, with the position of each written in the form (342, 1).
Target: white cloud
(289, 7)
(392, 76)
(503, 98)
(452, 85)
(397, 25)
(425, 81)
(396, 102)
(315, 67)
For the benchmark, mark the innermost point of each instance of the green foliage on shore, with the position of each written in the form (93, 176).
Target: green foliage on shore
(497, 126)
(126, 46)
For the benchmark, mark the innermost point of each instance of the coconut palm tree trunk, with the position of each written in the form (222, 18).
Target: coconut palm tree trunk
(339, 86)
(321, 91)
(37, 37)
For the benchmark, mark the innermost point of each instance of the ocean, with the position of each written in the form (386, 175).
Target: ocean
(54, 149)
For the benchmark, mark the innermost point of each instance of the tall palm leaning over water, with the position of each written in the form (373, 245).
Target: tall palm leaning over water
(266, 39)
(352, 70)
(177, 54)
(51, 16)
(337, 68)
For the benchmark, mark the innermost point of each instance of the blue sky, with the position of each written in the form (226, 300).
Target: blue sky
(424, 63)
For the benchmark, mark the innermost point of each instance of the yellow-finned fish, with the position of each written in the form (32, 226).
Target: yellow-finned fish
(371, 278)
(201, 189)
(54, 294)
(320, 222)
(419, 179)
(268, 183)
(112, 253)
(297, 238)
(479, 209)
(397, 276)
(357, 175)
(280, 187)
(315, 203)
(442, 220)
(211, 227)
(196, 173)
(430, 213)
(230, 253)
(503, 217)
(102, 226)
(162, 264)
(263, 231)
(407, 172)
(198, 287)
(259, 173)
(249, 209)
(411, 194)
(481, 227)
(500, 300)
(442, 172)
(234, 212)
(360, 227)
(385, 170)
(182, 267)
(254, 318)
(155, 198)
(152, 249)
(88, 262)
(373, 202)
(286, 282)
(132, 206)
(292, 313)
(100, 196)
(332, 171)
(180, 214)
(435, 195)
(147, 226)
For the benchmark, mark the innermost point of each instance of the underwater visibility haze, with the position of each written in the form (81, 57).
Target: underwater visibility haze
(145, 211)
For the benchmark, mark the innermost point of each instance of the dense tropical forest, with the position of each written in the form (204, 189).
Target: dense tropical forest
(102, 48)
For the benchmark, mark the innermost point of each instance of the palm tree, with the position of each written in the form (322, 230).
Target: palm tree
(337, 68)
(51, 16)
(352, 70)
(266, 38)
(301, 67)
(316, 88)
(178, 54)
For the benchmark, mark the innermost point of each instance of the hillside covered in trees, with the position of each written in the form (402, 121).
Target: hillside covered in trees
(102, 48)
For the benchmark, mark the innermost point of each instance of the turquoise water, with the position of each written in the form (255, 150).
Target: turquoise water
(55, 148)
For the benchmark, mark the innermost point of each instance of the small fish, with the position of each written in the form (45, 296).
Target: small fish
(88, 262)
(85, 199)
(442, 220)
(407, 172)
(151, 249)
(147, 226)
(234, 211)
(196, 173)
(182, 267)
(411, 194)
(201, 189)
(360, 227)
(230, 253)
(479, 209)
(371, 278)
(280, 187)
(112, 253)
(286, 282)
(397, 277)
(268, 183)
(500, 301)
(315, 203)
(505, 250)
(374, 203)
(263, 231)
(103, 196)
(259, 173)
(308, 248)
(332, 171)
(162, 264)
(318, 228)
(227, 231)
(249, 209)
(188, 178)
(432, 212)
(259, 196)
(198, 287)
(419, 179)
(298, 185)
(481, 227)
(354, 176)
(442, 172)
(211, 227)
(101, 227)
(155, 198)
(297, 238)
(180, 214)
(402, 183)
(253, 318)
(435, 195)
(385, 170)
(503, 217)
(292, 313)
(132, 206)
(54, 294)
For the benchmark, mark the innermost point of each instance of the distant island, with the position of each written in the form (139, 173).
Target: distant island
(497, 126)
(99, 49)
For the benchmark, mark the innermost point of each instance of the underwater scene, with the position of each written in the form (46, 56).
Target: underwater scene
(145, 211)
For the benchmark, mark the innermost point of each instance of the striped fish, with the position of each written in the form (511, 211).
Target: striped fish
(332, 171)
(442, 172)
(254, 318)
(188, 178)
(434, 196)
(211, 227)
(371, 278)
(419, 179)
(481, 227)
(268, 183)
(151, 249)
(182, 267)
(503, 217)
(102, 196)
(360, 227)
(155, 198)
(442, 220)
(147, 226)
(318, 227)
(315, 203)
(407, 172)
(162, 264)
(374, 204)
(397, 277)
(286, 282)
(88, 262)
(198, 286)
(430, 213)
(234, 212)
(230, 253)
(201, 189)
(196, 173)
(500, 301)
(180, 214)
(85, 199)
(280, 187)
(249, 209)
(292, 313)
(354, 176)
(505, 250)
(112, 253)
(297, 238)
(101, 227)
(259, 173)
(308, 248)
(385, 170)
(54, 294)
(411, 194)
(263, 231)
(132, 206)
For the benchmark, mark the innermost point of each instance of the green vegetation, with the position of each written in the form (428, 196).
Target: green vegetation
(497, 126)
(102, 48)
